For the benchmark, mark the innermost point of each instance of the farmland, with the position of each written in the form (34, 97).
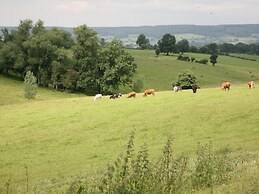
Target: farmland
(48, 142)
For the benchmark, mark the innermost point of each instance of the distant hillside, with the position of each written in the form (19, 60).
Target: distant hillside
(196, 34)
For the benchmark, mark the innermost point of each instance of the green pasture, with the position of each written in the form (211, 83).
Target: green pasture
(61, 136)
(12, 92)
(59, 139)
(159, 73)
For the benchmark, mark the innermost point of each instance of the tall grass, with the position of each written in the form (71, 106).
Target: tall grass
(134, 173)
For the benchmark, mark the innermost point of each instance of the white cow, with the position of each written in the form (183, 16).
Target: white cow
(177, 88)
(97, 97)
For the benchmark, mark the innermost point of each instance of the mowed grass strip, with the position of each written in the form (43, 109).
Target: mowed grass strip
(74, 136)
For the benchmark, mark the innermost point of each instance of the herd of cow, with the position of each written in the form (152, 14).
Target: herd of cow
(225, 86)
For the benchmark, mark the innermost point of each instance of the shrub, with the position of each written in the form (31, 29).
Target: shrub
(185, 79)
(203, 61)
(211, 169)
(30, 85)
(138, 84)
(136, 174)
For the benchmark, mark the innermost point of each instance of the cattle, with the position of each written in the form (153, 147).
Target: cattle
(194, 88)
(251, 84)
(119, 95)
(149, 92)
(177, 88)
(131, 95)
(225, 86)
(97, 97)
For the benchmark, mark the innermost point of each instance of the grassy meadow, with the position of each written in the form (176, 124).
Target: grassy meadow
(48, 142)
(161, 72)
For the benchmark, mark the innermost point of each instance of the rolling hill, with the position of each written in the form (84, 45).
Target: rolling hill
(48, 143)
(197, 35)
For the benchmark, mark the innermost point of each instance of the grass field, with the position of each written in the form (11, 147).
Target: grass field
(59, 137)
(161, 72)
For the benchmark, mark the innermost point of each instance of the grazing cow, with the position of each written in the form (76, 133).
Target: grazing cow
(194, 88)
(149, 92)
(97, 97)
(131, 95)
(177, 88)
(225, 86)
(251, 84)
(119, 95)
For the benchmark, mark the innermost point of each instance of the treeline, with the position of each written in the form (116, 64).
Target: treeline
(60, 61)
(167, 44)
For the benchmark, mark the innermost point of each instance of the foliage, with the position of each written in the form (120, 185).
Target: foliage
(117, 67)
(183, 58)
(138, 84)
(185, 79)
(213, 59)
(157, 51)
(167, 44)
(59, 61)
(211, 169)
(30, 85)
(143, 42)
(183, 46)
(136, 174)
(203, 61)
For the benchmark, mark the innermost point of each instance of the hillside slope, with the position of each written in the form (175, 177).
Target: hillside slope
(58, 139)
(159, 73)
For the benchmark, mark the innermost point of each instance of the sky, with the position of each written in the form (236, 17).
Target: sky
(117, 13)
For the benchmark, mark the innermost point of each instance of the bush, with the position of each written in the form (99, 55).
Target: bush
(138, 84)
(203, 61)
(136, 174)
(30, 85)
(185, 79)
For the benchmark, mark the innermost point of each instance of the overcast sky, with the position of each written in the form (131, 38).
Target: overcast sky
(102, 13)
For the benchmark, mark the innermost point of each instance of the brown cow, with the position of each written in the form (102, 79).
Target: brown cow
(149, 92)
(225, 86)
(251, 84)
(131, 95)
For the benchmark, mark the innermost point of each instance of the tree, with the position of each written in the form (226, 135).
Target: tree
(213, 59)
(30, 86)
(185, 79)
(167, 44)
(117, 67)
(212, 48)
(183, 46)
(142, 41)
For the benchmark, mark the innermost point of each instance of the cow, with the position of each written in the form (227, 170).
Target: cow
(194, 88)
(225, 86)
(119, 95)
(177, 88)
(251, 84)
(97, 97)
(131, 95)
(149, 92)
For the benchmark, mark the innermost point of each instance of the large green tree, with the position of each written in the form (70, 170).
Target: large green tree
(183, 46)
(143, 42)
(85, 52)
(118, 67)
(167, 44)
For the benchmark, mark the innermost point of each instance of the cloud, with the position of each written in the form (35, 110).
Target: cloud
(74, 6)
